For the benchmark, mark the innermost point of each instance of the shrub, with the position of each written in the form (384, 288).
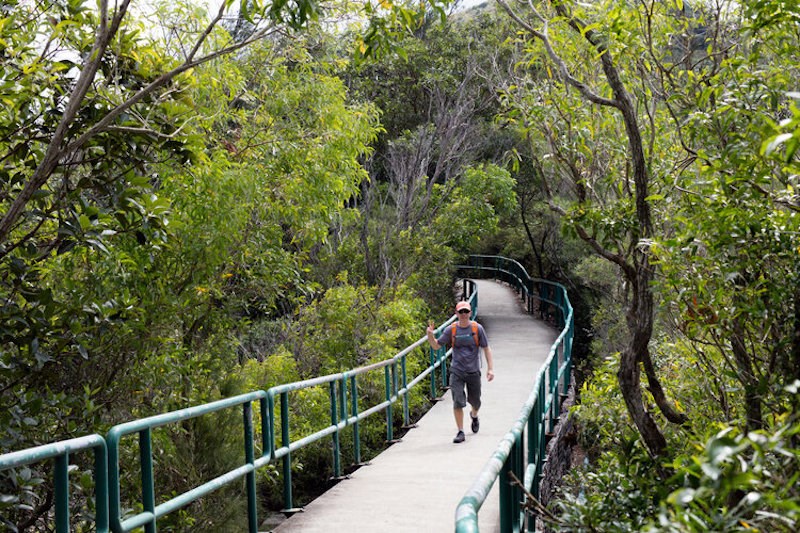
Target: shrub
(737, 482)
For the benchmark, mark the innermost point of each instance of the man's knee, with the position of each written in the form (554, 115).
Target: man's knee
(459, 401)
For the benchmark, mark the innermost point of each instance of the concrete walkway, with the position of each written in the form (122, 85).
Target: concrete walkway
(416, 484)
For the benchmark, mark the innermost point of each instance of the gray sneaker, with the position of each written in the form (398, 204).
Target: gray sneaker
(476, 424)
(459, 437)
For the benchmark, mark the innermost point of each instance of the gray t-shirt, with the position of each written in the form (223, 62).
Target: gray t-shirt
(466, 355)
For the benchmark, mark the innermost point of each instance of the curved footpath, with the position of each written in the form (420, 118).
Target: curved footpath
(415, 485)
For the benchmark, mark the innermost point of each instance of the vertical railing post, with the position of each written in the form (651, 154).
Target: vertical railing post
(61, 488)
(343, 398)
(553, 392)
(354, 414)
(101, 495)
(404, 386)
(533, 447)
(519, 470)
(568, 351)
(114, 511)
(268, 426)
(506, 495)
(148, 487)
(342, 389)
(387, 385)
(250, 458)
(541, 436)
(533, 432)
(287, 459)
(337, 467)
(561, 360)
(529, 303)
(395, 380)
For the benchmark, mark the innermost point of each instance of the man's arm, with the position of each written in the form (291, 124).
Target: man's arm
(489, 363)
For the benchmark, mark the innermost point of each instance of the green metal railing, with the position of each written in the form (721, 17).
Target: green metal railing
(540, 412)
(61, 451)
(535, 421)
(345, 410)
(144, 427)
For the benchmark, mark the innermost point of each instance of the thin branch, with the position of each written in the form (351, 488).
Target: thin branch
(207, 32)
(619, 260)
(533, 501)
(582, 88)
(144, 131)
(56, 151)
(159, 82)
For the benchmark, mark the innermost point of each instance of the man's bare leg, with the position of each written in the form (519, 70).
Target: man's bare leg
(458, 414)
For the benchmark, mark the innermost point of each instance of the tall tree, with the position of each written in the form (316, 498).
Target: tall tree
(628, 247)
(732, 252)
(438, 108)
(156, 195)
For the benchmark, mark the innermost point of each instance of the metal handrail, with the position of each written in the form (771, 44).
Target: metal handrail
(60, 451)
(343, 393)
(144, 426)
(537, 417)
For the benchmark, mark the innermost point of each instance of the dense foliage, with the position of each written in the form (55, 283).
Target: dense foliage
(195, 206)
(667, 138)
(183, 221)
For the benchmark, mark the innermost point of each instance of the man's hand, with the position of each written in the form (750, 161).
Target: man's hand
(431, 336)
(489, 375)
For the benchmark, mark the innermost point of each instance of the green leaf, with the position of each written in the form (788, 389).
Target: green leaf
(720, 449)
(85, 222)
(682, 497)
(773, 143)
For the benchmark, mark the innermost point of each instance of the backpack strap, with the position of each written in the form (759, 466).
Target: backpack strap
(474, 333)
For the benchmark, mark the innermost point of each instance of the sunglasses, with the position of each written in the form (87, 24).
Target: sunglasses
(462, 311)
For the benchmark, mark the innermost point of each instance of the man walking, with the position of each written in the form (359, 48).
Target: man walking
(467, 338)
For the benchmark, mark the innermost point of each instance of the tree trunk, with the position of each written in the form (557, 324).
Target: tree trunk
(655, 388)
(744, 369)
(628, 377)
(794, 364)
(638, 271)
(536, 252)
(795, 359)
(640, 324)
(369, 264)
